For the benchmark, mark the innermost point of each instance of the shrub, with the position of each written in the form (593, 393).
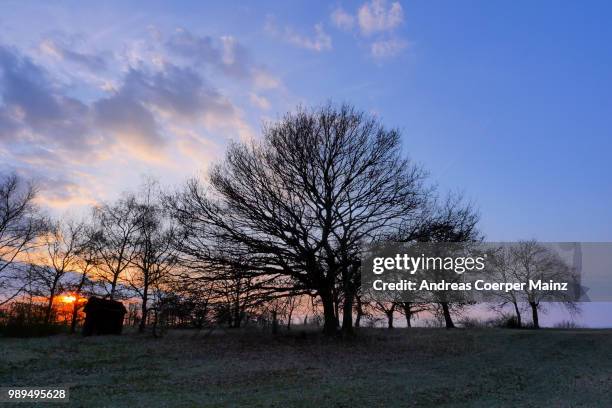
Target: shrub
(22, 319)
(14, 329)
(505, 322)
(473, 323)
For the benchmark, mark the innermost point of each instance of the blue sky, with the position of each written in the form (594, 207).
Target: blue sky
(509, 103)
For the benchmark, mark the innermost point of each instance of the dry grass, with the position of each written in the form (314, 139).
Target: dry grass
(415, 367)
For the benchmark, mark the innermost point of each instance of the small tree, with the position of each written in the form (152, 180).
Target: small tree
(116, 228)
(532, 261)
(20, 226)
(505, 270)
(153, 255)
(60, 256)
(455, 223)
(86, 263)
(411, 309)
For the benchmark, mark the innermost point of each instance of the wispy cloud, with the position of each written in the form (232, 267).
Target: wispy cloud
(259, 101)
(342, 19)
(376, 17)
(376, 22)
(387, 48)
(60, 51)
(319, 41)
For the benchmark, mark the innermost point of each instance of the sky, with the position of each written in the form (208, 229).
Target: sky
(508, 103)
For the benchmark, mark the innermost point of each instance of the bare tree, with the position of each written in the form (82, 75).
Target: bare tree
(153, 255)
(116, 228)
(505, 270)
(292, 303)
(452, 221)
(388, 309)
(20, 226)
(61, 246)
(303, 200)
(533, 261)
(359, 308)
(411, 310)
(85, 265)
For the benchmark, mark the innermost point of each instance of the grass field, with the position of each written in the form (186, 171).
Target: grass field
(401, 367)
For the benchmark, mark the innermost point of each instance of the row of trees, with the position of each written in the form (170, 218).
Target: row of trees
(523, 261)
(124, 246)
(277, 221)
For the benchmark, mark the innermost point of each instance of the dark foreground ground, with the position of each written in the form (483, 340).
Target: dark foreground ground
(402, 367)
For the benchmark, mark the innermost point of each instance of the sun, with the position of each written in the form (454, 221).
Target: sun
(68, 299)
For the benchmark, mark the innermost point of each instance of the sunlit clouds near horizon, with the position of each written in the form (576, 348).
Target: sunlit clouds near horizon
(72, 119)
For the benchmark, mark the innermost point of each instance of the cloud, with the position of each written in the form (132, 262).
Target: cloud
(136, 113)
(66, 131)
(387, 48)
(342, 19)
(264, 80)
(319, 41)
(377, 22)
(224, 54)
(128, 120)
(62, 52)
(259, 101)
(83, 114)
(32, 105)
(375, 17)
(59, 192)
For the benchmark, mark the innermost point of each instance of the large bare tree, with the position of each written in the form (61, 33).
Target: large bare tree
(301, 202)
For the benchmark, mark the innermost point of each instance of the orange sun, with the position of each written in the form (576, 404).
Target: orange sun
(68, 298)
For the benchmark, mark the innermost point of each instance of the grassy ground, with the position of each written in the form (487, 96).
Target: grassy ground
(414, 367)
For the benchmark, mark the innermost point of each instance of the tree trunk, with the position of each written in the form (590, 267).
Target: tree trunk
(113, 287)
(389, 319)
(75, 314)
(237, 317)
(407, 313)
(447, 316)
(337, 309)
(534, 314)
(359, 312)
(330, 323)
(289, 317)
(50, 304)
(143, 309)
(347, 315)
(49, 309)
(274, 323)
(519, 323)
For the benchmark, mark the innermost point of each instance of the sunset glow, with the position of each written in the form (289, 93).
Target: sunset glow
(67, 299)
(70, 299)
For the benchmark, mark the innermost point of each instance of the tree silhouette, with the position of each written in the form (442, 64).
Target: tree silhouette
(301, 202)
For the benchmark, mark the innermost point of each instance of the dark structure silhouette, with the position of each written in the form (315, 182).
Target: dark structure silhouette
(103, 316)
